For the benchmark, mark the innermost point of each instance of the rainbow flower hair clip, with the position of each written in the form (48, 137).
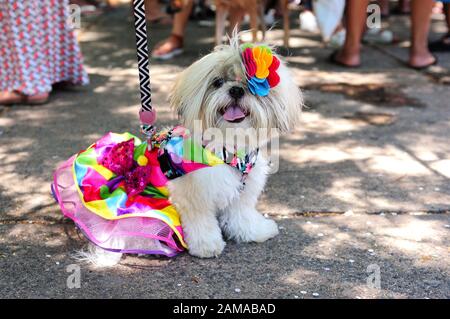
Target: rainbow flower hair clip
(261, 67)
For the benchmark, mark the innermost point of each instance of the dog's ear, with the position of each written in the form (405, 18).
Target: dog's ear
(190, 89)
(288, 100)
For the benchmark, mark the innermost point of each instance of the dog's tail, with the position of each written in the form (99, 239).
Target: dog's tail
(97, 256)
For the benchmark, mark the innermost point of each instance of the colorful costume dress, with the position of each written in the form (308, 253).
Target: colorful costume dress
(117, 189)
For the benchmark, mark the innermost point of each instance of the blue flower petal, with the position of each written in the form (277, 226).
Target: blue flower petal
(258, 86)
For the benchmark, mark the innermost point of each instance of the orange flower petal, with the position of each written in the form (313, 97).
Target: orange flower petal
(263, 58)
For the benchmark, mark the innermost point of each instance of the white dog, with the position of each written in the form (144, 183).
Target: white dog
(212, 202)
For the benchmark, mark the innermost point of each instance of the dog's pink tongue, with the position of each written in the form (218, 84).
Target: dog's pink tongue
(233, 113)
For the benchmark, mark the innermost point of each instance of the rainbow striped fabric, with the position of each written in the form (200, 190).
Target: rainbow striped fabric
(120, 180)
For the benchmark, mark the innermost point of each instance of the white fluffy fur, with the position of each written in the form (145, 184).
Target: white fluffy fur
(98, 257)
(210, 201)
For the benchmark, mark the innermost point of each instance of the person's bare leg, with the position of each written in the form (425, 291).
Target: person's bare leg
(356, 15)
(153, 11)
(420, 56)
(181, 19)
(175, 40)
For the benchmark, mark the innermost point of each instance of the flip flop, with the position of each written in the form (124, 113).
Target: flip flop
(168, 55)
(171, 53)
(423, 67)
(19, 99)
(332, 60)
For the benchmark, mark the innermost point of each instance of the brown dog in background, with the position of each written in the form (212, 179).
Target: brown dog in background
(237, 9)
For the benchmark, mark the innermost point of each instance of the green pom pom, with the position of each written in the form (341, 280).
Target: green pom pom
(266, 48)
(246, 45)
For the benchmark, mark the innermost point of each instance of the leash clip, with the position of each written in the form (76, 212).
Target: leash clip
(148, 118)
(148, 131)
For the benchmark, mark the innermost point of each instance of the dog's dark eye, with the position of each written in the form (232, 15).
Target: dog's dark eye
(217, 83)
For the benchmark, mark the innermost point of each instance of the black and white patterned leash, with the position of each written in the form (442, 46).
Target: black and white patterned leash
(147, 114)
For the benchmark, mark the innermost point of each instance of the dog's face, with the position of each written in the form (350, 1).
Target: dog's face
(215, 90)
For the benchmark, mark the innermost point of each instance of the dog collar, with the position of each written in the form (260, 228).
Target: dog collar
(243, 162)
(177, 143)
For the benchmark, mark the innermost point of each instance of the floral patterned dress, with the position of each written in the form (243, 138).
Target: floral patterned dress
(37, 46)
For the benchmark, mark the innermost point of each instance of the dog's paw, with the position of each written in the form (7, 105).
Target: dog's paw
(206, 246)
(265, 229)
(257, 229)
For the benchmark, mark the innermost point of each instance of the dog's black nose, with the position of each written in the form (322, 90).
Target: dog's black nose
(237, 92)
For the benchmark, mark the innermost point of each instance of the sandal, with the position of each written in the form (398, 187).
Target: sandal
(37, 99)
(14, 98)
(165, 50)
(423, 67)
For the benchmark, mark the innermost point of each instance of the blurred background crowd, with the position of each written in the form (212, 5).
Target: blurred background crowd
(38, 49)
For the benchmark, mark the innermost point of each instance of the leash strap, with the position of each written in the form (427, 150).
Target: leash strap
(146, 114)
